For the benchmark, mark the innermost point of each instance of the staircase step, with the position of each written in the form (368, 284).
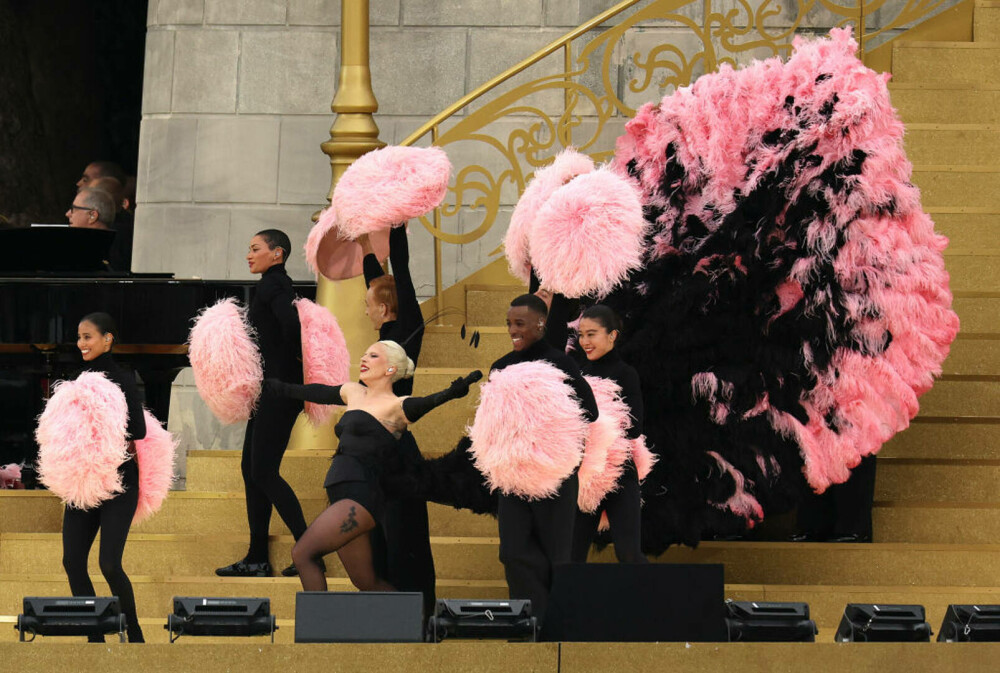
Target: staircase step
(976, 144)
(444, 347)
(973, 272)
(971, 186)
(154, 594)
(936, 523)
(150, 554)
(935, 437)
(966, 230)
(950, 397)
(903, 480)
(487, 305)
(193, 512)
(945, 103)
(973, 356)
(946, 62)
(986, 22)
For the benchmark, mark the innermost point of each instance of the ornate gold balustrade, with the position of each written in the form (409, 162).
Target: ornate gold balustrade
(608, 67)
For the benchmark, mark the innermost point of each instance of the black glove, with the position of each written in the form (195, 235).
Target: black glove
(415, 407)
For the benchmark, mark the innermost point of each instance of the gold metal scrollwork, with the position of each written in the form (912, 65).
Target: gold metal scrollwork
(590, 90)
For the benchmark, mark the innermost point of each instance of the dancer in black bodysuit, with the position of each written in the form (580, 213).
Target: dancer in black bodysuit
(95, 338)
(368, 432)
(536, 535)
(401, 544)
(599, 328)
(277, 325)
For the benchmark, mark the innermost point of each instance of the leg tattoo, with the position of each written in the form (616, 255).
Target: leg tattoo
(351, 522)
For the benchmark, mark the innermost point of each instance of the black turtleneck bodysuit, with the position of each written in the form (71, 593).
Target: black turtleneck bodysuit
(125, 380)
(610, 366)
(276, 321)
(542, 350)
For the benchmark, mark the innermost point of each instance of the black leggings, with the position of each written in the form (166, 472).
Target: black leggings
(113, 517)
(263, 448)
(624, 514)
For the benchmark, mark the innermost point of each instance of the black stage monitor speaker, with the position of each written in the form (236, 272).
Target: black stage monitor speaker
(759, 622)
(970, 624)
(864, 622)
(202, 616)
(461, 618)
(624, 602)
(71, 616)
(359, 617)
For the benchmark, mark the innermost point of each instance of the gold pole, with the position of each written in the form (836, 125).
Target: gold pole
(353, 133)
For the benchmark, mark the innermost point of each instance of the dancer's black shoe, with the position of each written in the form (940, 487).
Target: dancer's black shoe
(243, 569)
(292, 571)
(851, 537)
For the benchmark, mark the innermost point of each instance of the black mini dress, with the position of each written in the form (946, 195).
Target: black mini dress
(356, 470)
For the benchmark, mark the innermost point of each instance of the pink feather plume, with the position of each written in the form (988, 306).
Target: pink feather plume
(388, 186)
(529, 430)
(567, 165)
(81, 440)
(589, 234)
(155, 455)
(325, 358)
(227, 365)
(643, 457)
(607, 448)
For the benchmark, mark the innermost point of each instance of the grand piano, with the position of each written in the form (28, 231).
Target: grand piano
(39, 314)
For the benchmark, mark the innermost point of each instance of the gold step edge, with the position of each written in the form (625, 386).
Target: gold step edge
(956, 168)
(945, 126)
(942, 86)
(492, 287)
(946, 44)
(927, 504)
(239, 538)
(252, 581)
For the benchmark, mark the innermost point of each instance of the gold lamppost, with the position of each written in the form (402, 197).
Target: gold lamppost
(353, 133)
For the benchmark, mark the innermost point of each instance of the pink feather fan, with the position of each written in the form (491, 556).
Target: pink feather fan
(227, 365)
(529, 430)
(607, 447)
(155, 455)
(567, 165)
(81, 440)
(589, 234)
(388, 186)
(335, 257)
(325, 358)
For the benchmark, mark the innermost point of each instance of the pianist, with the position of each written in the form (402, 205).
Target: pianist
(95, 209)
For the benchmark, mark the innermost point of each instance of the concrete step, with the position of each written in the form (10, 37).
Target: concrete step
(957, 185)
(935, 437)
(487, 305)
(969, 63)
(946, 103)
(965, 144)
(191, 555)
(986, 21)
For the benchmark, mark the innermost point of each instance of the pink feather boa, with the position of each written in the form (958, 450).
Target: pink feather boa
(335, 257)
(388, 186)
(155, 455)
(567, 165)
(325, 358)
(529, 431)
(81, 440)
(589, 235)
(607, 448)
(226, 361)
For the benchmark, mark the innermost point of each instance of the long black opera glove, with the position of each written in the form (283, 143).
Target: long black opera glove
(415, 407)
(313, 392)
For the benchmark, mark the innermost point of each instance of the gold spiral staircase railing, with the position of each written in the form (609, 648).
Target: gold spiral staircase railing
(598, 89)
